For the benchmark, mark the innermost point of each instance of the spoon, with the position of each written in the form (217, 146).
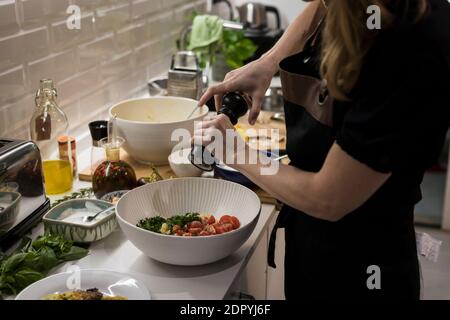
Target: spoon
(192, 112)
(278, 116)
(90, 218)
(280, 157)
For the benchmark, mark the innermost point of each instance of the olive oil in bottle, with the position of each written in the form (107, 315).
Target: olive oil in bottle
(47, 124)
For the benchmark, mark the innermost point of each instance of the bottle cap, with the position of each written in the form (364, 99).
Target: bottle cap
(98, 129)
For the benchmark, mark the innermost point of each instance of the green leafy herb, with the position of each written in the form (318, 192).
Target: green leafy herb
(236, 48)
(154, 223)
(234, 45)
(32, 260)
(183, 219)
(80, 194)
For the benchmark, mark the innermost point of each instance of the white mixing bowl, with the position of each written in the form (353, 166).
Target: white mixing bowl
(178, 196)
(147, 125)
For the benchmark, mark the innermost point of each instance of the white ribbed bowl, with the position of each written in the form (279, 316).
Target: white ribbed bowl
(178, 196)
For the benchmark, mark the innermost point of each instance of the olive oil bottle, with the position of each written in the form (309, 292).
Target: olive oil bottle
(47, 124)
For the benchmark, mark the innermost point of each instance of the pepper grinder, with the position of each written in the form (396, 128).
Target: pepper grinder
(233, 106)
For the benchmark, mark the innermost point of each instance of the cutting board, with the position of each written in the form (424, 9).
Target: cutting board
(264, 122)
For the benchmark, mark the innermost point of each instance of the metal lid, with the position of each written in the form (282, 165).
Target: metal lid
(185, 60)
(98, 129)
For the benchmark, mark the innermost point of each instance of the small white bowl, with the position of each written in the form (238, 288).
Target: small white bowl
(181, 165)
(66, 219)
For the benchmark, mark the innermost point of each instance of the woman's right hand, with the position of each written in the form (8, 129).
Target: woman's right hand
(252, 79)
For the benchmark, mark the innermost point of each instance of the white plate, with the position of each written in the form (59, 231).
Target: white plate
(108, 282)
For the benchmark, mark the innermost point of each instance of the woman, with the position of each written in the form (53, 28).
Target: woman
(367, 112)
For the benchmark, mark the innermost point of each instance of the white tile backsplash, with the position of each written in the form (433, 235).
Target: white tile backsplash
(12, 85)
(8, 18)
(39, 12)
(121, 44)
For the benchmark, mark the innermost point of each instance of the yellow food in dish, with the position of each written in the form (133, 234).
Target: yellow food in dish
(89, 294)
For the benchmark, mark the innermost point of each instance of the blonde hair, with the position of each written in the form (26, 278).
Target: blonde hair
(346, 39)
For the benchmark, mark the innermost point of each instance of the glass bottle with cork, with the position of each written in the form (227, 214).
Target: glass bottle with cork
(48, 125)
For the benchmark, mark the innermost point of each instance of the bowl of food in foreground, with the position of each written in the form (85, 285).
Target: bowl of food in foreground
(188, 221)
(86, 284)
(147, 124)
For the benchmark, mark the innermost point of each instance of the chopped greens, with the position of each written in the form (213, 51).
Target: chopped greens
(155, 223)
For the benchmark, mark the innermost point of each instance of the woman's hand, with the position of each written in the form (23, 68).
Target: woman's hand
(218, 131)
(252, 79)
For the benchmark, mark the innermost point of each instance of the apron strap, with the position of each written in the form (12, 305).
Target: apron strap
(312, 38)
(281, 222)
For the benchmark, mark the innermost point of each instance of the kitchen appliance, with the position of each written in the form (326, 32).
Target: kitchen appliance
(254, 17)
(229, 7)
(185, 78)
(21, 165)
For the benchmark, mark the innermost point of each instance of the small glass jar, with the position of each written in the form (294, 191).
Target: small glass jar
(112, 174)
(64, 151)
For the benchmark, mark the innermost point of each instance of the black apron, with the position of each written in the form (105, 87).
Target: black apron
(332, 260)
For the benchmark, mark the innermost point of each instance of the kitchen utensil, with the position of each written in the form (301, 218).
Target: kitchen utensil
(21, 171)
(229, 7)
(192, 112)
(98, 130)
(114, 196)
(185, 77)
(150, 141)
(233, 106)
(67, 219)
(110, 283)
(254, 15)
(174, 196)
(273, 99)
(228, 173)
(278, 116)
(91, 218)
(158, 86)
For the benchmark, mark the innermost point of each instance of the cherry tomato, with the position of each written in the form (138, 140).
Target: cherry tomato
(225, 219)
(235, 222)
(195, 230)
(227, 227)
(195, 224)
(219, 228)
(211, 220)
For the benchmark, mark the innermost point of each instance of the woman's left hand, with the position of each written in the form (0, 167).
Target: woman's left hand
(218, 132)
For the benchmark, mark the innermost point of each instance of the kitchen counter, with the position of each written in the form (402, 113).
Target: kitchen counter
(212, 281)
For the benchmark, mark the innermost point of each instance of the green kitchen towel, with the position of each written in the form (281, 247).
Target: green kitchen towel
(206, 29)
